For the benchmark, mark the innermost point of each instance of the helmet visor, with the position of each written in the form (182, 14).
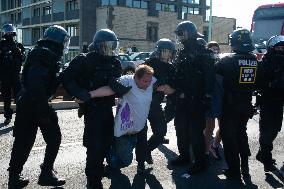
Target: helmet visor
(166, 55)
(181, 36)
(66, 45)
(109, 48)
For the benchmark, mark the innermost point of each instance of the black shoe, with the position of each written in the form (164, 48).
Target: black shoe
(16, 182)
(7, 121)
(140, 168)
(50, 178)
(165, 141)
(230, 174)
(197, 168)
(269, 167)
(259, 157)
(269, 163)
(180, 161)
(94, 185)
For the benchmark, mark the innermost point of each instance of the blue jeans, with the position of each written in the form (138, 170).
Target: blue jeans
(121, 152)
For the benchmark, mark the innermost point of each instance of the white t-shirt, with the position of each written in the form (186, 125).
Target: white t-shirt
(139, 100)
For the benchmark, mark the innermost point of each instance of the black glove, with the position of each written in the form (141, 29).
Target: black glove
(118, 87)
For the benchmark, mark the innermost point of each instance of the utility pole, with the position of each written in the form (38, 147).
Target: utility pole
(210, 23)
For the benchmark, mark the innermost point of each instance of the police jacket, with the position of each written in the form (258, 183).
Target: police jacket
(39, 81)
(164, 73)
(195, 74)
(87, 72)
(239, 73)
(11, 58)
(271, 84)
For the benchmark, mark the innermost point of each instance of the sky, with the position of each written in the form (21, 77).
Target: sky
(242, 10)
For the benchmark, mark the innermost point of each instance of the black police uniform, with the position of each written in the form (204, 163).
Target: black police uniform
(239, 76)
(11, 58)
(164, 73)
(39, 84)
(195, 79)
(86, 73)
(271, 106)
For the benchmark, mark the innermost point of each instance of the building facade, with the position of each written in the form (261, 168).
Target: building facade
(136, 22)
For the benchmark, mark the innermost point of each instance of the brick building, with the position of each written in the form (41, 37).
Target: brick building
(139, 22)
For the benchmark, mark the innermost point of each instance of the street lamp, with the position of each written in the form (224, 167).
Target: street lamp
(210, 23)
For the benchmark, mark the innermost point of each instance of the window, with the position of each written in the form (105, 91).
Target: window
(36, 33)
(72, 30)
(18, 3)
(36, 12)
(137, 4)
(191, 1)
(72, 5)
(109, 2)
(19, 16)
(152, 31)
(189, 10)
(165, 7)
(46, 10)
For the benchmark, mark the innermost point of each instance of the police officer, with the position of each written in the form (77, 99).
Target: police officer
(11, 58)
(164, 73)
(272, 100)
(40, 82)
(239, 75)
(194, 84)
(88, 72)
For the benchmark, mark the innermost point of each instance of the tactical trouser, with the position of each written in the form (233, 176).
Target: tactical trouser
(271, 116)
(141, 145)
(6, 91)
(26, 126)
(158, 124)
(234, 137)
(189, 131)
(98, 137)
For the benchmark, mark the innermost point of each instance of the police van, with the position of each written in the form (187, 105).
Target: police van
(267, 21)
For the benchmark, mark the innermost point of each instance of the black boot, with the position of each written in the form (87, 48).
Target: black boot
(17, 181)
(50, 178)
(94, 185)
(7, 121)
(268, 162)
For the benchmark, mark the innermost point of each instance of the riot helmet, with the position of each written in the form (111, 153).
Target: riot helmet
(9, 31)
(58, 35)
(105, 42)
(275, 45)
(241, 41)
(201, 42)
(186, 31)
(165, 50)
